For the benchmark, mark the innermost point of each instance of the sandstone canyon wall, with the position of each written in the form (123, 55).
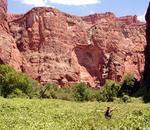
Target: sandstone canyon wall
(147, 48)
(52, 46)
(9, 53)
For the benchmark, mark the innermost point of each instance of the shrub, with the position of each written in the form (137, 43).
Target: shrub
(5, 69)
(11, 80)
(101, 96)
(80, 92)
(66, 93)
(49, 91)
(92, 93)
(128, 85)
(17, 93)
(126, 98)
(52, 91)
(77, 92)
(109, 91)
(83, 92)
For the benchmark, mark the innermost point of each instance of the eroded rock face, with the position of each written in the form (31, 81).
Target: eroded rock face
(120, 43)
(9, 53)
(52, 46)
(3, 15)
(61, 48)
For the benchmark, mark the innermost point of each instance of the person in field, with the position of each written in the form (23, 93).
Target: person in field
(108, 113)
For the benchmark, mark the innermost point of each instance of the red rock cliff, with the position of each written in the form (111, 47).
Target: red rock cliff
(9, 53)
(147, 48)
(60, 48)
(3, 15)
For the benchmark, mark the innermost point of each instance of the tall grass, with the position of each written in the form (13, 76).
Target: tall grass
(36, 114)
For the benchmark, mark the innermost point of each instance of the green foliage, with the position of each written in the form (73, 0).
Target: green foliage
(109, 91)
(126, 98)
(128, 85)
(66, 93)
(5, 69)
(48, 91)
(53, 91)
(137, 113)
(12, 81)
(17, 93)
(16, 84)
(81, 92)
(36, 114)
(77, 92)
(144, 92)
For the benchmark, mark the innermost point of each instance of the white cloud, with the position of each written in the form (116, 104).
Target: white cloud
(75, 2)
(141, 18)
(35, 3)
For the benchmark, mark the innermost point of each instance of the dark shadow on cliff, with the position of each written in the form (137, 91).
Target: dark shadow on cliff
(88, 57)
(146, 80)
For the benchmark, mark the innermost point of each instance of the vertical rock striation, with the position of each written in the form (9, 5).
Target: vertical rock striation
(3, 15)
(9, 54)
(61, 48)
(52, 46)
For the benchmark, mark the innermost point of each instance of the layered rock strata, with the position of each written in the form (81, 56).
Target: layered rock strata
(9, 53)
(57, 47)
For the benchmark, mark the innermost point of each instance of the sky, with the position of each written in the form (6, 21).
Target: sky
(84, 7)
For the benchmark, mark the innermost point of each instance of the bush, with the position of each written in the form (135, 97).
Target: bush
(101, 96)
(126, 98)
(83, 92)
(49, 91)
(128, 86)
(80, 92)
(17, 93)
(66, 93)
(77, 92)
(11, 80)
(53, 91)
(109, 91)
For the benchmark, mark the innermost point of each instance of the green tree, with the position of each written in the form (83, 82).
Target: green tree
(10, 80)
(128, 85)
(109, 91)
(49, 91)
(81, 92)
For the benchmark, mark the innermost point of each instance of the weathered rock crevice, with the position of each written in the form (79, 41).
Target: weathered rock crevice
(52, 46)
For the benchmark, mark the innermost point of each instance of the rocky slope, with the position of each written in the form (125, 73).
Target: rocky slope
(52, 46)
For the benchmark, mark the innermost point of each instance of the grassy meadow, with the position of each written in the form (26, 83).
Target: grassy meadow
(50, 114)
